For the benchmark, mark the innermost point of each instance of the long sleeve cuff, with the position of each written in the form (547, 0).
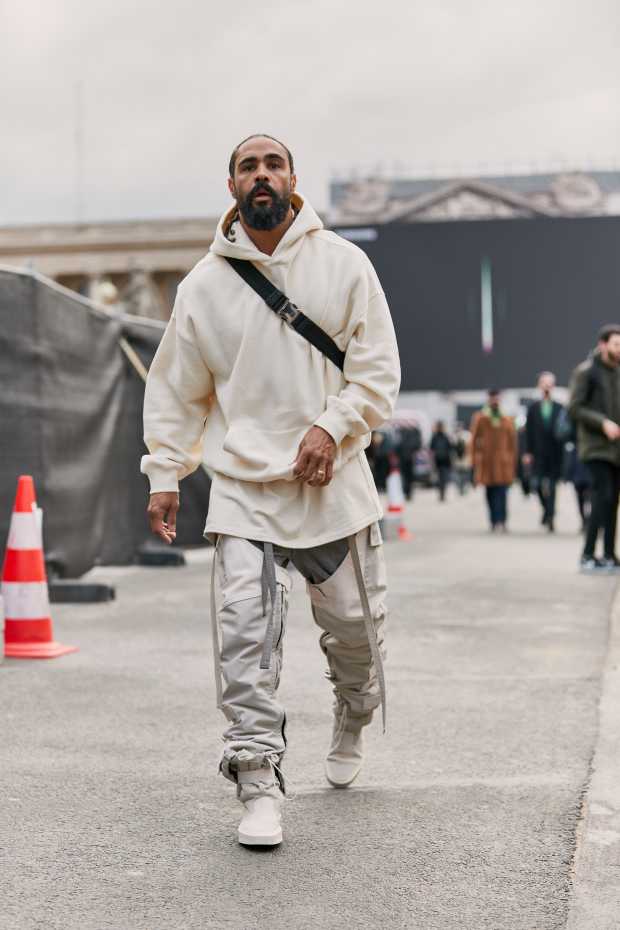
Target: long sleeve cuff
(161, 477)
(331, 422)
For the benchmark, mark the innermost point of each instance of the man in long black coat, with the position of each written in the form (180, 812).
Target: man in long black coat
(544, 451)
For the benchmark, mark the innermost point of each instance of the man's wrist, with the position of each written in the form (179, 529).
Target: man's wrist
(329, 424)
(327, 433)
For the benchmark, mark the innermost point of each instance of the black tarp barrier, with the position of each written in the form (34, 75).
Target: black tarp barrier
(71, 416)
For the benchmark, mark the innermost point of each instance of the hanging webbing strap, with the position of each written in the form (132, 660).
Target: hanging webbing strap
(268, 591)
(287, 311)
(217, 662)
(371, 633)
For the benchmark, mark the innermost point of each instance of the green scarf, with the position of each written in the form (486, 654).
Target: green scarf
(546, 409)
(495, 416)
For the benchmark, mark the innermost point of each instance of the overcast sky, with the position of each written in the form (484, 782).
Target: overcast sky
(167, 89)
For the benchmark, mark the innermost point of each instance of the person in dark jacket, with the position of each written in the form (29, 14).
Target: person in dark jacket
(543, 450)
(443, 451)
(578, 475)
(524, 466)
(594, 405)
(378, 455)
(410, 443)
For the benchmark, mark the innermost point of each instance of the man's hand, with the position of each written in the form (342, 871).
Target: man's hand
(315, 458)
(162, 511)
(527, 458)
(611, 430)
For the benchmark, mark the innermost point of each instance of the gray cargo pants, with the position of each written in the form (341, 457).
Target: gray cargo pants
(346, 581)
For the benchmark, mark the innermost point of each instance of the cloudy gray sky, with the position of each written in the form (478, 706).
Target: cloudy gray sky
(167, 89)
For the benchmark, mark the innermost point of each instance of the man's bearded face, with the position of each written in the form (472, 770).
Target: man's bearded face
(262, 208)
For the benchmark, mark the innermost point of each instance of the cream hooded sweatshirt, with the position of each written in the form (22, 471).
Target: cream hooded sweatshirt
(233, 386)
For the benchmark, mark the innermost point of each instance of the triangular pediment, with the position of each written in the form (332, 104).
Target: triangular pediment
(374, 201)
(466, 199)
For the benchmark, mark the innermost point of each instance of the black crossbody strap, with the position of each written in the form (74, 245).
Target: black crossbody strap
(287, 311)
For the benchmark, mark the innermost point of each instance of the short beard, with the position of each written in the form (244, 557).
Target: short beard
(264, 216)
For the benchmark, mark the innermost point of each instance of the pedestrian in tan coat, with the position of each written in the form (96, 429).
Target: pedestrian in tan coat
(494, 454)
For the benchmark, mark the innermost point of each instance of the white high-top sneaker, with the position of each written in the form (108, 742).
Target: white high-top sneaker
(346, 753)
(260, 794)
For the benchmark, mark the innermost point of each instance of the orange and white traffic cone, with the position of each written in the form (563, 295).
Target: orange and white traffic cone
(396, 500)
(28, 625)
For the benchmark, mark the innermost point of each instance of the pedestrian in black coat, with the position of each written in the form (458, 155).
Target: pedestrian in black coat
(544, 450)
(409, 444)
(442, 448)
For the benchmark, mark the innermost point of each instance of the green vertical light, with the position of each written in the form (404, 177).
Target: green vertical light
(486, 304)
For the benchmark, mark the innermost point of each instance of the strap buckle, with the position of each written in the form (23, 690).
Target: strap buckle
(288, 311)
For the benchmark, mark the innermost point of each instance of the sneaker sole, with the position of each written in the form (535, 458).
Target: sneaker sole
(248, 840)
(342, 784)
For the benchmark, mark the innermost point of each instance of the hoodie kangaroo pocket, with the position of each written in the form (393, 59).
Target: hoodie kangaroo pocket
(262, 455)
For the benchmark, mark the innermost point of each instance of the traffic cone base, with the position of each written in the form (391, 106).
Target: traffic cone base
(36, 650)
(32, 639)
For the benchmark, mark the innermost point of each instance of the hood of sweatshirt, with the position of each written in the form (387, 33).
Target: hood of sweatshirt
(231, 239)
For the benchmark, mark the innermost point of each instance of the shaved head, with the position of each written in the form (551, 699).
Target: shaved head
(258, 135)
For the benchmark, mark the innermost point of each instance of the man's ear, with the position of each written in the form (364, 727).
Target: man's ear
(231, 188)
(293, 182)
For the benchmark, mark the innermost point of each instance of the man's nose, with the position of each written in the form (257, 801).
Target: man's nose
(261, 174)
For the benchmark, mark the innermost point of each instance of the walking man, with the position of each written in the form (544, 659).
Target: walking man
(443, 451)
(544, 451)
(494, 454)
(281, 418)
(409, 444)
(594, 404)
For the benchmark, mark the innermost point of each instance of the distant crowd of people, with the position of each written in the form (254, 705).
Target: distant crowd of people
(578, 443)
(444, 459)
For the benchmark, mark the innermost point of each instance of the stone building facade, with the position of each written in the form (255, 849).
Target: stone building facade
(133, 265)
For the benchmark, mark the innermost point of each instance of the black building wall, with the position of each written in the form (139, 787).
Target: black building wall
(553, 283)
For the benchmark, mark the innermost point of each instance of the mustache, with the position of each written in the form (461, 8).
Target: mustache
(261, 188)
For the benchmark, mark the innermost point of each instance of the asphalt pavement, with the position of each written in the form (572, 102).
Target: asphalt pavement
(474, 811)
